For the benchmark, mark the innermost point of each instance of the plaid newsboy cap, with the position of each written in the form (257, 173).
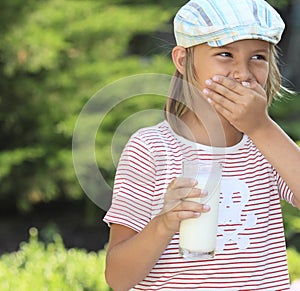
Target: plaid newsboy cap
(219, 22)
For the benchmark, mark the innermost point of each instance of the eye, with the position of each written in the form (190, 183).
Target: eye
(259, 57)
(225, 54)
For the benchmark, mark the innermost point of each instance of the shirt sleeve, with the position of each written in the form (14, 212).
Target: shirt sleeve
(284, 191)
(133, 187)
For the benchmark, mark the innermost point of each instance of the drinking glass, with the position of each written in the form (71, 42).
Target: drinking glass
(197, 236)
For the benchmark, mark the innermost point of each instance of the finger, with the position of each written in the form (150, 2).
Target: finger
(243, 88)
(170, 205)
(227, 114)
(187, 205)
(182, 182)
(197, 193)
(182, 215)
(175, 198)
(225, 107)
(172, 219)
(230, 84)
(182, 193)
(228, 101)
(219, 101)
(258, 88)
(246, 84)
(217, 91)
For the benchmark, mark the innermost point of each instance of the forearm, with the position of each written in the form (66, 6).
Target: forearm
(130, 261)
(281, 152)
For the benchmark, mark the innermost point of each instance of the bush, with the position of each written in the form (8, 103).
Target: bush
(37, 266)
(293, 263)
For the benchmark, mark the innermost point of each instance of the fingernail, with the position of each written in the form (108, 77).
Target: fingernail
(206, 207)
(193, 181)
(208, 82)
(216, 78)
(246, 84)
(205, 91)
(204, 192)
(209, 100)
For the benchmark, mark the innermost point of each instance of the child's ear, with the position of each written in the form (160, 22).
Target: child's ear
(178, 56)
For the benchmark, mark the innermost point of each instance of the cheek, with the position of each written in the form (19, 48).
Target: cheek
(207, 71)
(263, 78)
(262, 74)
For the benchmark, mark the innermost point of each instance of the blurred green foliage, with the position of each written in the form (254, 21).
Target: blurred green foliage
(293, 258)
(285, 112)
(54, 56)
(279, 4)
(291, 220)
(37, 266)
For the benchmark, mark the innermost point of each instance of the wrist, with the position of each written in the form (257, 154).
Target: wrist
(260, 132)
(162, 228)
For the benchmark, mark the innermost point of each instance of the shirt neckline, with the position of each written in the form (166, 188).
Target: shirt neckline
(211, 149)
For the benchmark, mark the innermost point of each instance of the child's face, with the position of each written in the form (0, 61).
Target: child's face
(244, 61)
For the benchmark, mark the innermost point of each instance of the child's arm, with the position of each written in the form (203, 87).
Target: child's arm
(282, 153)
(245, 107)
(132, 255)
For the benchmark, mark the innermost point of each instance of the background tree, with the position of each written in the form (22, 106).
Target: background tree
(55, 56)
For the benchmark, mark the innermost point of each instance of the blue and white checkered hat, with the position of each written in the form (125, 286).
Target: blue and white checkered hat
(219, 22)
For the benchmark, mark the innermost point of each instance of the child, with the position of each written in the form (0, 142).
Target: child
(225, 49)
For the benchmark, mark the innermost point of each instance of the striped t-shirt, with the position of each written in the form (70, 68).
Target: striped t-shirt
(251, 250)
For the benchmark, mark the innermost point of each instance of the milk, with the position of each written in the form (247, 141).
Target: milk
(198, 235)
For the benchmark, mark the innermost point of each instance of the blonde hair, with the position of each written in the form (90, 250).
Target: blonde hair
(183, 86)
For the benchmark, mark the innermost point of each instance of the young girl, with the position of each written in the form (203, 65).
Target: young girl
(226, 50)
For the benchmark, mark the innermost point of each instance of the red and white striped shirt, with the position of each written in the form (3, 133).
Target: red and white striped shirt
(251, 250)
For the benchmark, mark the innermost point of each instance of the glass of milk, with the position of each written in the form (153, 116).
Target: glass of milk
(197, 236)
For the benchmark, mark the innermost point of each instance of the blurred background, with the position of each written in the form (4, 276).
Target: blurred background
(55, 55)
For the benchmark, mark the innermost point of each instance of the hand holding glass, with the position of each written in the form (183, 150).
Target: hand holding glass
(198, 235)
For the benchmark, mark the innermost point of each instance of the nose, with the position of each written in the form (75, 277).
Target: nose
(242, 72)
